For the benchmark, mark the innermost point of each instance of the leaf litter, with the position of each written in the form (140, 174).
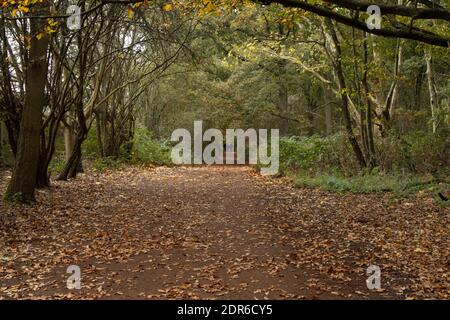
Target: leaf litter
(219, 233)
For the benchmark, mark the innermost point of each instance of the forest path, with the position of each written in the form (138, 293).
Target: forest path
(217, 233)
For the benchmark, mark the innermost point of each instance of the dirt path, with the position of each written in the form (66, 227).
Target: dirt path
(219, 233)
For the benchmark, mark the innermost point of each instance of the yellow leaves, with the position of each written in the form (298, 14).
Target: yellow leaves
(344, 91)
(23, 8)
(168, 7)
(49, 30)
(52, 22)
(18, 6)
(208, 6)
(137, 5)
(6, 3)
(130, 13)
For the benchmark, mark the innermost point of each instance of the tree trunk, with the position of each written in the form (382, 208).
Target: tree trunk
(23, 181)
(369, 116)
(1, 139)
(282, 104)
(99, 133)
(343, 90)
(418, 88)
(9, 102)
(359, 99)
(328, 119)
(69, 141)
(310, 116)
(105, 142)
(389, 105)
(48, 137)
(432, 89)
(73, 164)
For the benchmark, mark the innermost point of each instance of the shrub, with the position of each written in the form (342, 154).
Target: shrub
(415, 152)
(90, 146)
(316, 154)
(419, 151)
(101, 164)
(147, 150)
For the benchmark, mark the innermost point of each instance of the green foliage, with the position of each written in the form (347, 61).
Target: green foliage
(145, 151)
(18, 197)
(315, 154)
(59, 159)
(441, 203)
(415, 162)
(6, 157)
(415, 152)
(302, 152)
(148, 151)
(90, 146)
(400, 185)
(418, 151)
(102, 164)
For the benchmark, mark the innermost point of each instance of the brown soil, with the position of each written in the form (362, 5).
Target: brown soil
(218, 233)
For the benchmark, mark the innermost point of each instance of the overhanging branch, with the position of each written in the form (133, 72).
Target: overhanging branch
(405, 33)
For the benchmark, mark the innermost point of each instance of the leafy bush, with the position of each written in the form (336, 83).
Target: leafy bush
(315, 154)
(415, 152)
(101, 164)
(406, 164)
(90, 146)
(58, 161)
(147, 150)
(419, 151)
(144, 150)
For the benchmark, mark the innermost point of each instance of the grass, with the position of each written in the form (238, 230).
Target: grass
(399, 185)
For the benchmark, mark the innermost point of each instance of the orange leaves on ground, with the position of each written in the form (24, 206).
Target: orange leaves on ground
(218, 232)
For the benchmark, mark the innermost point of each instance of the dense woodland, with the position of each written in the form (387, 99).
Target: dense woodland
(88, 103)
(147, 68)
